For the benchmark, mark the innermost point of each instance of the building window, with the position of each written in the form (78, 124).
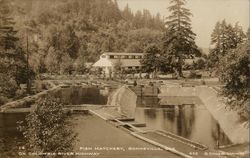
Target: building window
(130, 67)
(111, 57)
(131, 57)
(124, 57)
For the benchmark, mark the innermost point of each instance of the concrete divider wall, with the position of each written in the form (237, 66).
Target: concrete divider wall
(26, 102)
(145, 90)
(229, 120)
(125, 101)
(177, 91)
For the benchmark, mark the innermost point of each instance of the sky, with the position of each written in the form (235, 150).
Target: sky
(205, 14)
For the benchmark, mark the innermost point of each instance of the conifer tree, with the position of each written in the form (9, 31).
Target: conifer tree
(12, 59)
(237, 36)
(248, 34)
(8, 37)
(8, 41)
(127, 13)
(179, 41)
(223, 38)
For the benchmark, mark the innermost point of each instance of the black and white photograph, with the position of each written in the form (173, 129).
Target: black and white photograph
(124, 78)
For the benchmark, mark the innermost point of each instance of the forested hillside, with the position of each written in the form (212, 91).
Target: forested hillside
(64, 34)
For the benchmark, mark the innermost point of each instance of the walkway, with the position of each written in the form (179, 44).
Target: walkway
(101, 137)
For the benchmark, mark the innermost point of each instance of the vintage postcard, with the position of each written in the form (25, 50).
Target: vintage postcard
(124, 78)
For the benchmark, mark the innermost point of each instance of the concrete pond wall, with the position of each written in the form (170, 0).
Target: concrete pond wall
(125, 101)
(26, 102)
(56, 91)
(145, 90)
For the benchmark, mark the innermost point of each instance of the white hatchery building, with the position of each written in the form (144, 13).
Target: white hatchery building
(127, 61)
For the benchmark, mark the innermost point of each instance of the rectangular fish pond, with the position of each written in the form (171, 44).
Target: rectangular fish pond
(76, 95)
(183, 116)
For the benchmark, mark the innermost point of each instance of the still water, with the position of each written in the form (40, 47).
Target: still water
(79, 95)
(192, 121)
(11, 139)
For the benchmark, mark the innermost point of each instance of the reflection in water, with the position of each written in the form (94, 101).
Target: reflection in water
(185, 119)
(219, 135)
(79, 95)
(11, 138)
(170, 113)
(147, 101)
(151, 113)
(193, 122)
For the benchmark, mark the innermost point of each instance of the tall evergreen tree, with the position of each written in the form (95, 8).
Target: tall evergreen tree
(248, 34)
(223, 38)
(137, 20)
(237, 36)
(218, 46)
(8, 40)
(8, 52)
(127, 13)
(8, 37)
(179, 41)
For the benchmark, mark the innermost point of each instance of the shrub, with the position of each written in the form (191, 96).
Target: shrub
(8, 86)
(48, 128)
(3, 100)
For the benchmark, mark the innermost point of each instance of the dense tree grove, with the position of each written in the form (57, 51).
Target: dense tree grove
(13, 67)
(65, 34)
(60, 36)
(234, 72)
(230, 58)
